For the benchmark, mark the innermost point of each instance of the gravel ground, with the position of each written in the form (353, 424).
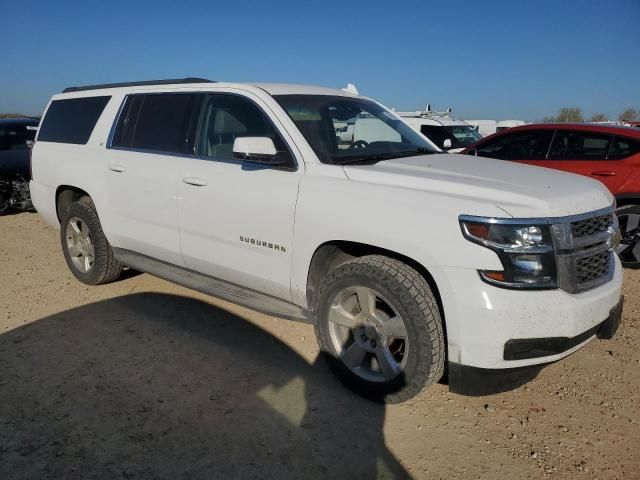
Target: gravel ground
(145, 379)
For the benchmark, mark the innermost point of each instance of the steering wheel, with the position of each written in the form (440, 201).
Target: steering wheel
(359, 144)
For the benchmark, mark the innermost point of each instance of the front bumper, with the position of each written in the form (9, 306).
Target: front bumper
(521, 348)
(480, 319)
(468, 380)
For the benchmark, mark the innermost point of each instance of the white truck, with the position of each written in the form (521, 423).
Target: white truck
(489, 127)
(442, 128)
(409, 262)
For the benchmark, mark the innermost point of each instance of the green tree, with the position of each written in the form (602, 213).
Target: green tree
(629, 115)
(599, 117)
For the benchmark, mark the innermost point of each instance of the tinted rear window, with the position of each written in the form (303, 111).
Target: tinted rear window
(158, 122)
(72, 120)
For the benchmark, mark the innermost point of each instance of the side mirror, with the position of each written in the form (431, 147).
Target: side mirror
(257, 150)
(447, 143)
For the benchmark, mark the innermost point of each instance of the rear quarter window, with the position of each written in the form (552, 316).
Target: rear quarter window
(623, 147)
(72, 120)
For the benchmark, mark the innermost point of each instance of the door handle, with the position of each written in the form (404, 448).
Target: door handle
(116, 168)
(603, 173)
(195, 181)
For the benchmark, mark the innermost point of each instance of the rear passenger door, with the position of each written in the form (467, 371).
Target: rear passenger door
(588, 153)
(236, 218)
(143, 164)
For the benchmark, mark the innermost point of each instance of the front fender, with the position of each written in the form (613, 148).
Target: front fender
(412, 223)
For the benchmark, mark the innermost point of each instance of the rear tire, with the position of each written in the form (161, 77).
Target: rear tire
(379, 327)
(629, 248)
(86, 249)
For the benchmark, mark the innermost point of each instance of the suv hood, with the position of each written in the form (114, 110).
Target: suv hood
(520, 190)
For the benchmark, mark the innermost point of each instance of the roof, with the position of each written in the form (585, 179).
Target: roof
(431, 118)
(170, 81)
(585, 127)
(296, 89)
(151, 85)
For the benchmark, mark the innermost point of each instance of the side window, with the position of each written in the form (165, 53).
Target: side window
(72, 120)
(227, 117)
(575, 145)
(528, 145)
(163, 122)
(623, 147)
(126, 126)
(436, 134)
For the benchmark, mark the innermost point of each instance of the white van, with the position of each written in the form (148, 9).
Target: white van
(442, 128)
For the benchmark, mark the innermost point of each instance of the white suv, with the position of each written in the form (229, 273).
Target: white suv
(405, 259)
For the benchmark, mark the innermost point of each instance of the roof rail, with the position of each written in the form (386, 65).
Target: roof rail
(138, 84)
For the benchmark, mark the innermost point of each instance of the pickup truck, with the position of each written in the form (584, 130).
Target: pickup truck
(412, 264)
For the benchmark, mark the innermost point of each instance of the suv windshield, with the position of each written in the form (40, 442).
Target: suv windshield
(346, 130)
(461, 136)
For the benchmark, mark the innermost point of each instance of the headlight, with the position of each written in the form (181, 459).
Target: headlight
(525, 250)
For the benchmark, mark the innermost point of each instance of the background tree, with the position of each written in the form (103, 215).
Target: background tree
(599, 117)
(566, 114)
(573, 115)
(629, 115)
(13, 115)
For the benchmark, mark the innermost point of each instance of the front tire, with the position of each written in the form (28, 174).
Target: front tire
(380, 328)
(86, 249)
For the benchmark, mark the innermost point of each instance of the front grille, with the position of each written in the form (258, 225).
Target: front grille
(591, 226)
(592, 267)
(584, 259)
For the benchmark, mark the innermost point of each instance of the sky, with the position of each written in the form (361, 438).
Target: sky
(518, 59)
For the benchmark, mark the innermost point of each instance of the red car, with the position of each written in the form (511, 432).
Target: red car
(610, 154)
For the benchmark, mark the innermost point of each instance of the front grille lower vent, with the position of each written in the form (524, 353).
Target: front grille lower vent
(592, 267)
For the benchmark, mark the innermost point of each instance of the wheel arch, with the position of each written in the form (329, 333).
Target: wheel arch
(625, 199)
(334, 253)
(65, 196)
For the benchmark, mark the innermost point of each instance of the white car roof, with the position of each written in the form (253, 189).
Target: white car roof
(296, 89)
(417, 118)
(270, 88)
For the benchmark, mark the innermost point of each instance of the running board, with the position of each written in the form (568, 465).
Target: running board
(213, 286)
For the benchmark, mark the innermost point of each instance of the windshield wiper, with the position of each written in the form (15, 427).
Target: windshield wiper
(385, 156)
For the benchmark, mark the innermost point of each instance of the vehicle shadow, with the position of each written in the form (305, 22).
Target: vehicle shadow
(153, 385)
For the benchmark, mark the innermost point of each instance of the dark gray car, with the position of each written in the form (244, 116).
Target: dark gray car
(16, 139)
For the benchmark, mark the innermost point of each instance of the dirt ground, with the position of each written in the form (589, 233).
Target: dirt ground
(145, 379)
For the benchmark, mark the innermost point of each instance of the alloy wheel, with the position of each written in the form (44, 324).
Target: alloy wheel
(80, 245)
(368, 334)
